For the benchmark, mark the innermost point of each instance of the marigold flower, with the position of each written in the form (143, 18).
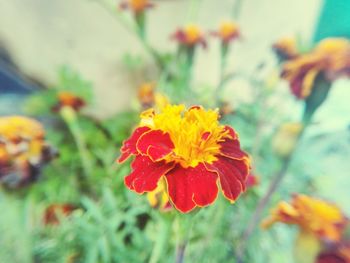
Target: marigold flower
(53, 212)
(23, 150)
(190, 36)
(314, 216)
(191, 151)
(149, 97)
(228, 31)
(286, 48)
(330, 58)
(68, 99)
(137, 6)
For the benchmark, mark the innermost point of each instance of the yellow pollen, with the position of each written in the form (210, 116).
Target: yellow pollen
(195, 133)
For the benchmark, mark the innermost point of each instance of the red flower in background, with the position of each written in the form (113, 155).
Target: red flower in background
(329, 59)
(191, 151)
(137, 6)
(227, 32)
(190, 36)
(68, 99)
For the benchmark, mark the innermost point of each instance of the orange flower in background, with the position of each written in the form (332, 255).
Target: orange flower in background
(314, 216)
(149, 97)
(137, 6)
(23, 150)
(191, 151)
(53, 212)
(68, 99)
(330, 58)
(228, 31)
(286, 48)
(190, 36)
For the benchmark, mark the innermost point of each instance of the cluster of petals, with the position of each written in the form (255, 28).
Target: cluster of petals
(286, 48)
(137, 6)
(335, 254)
(69, 99)
(227, 32)
(317, 217)
(23, 150)
(191, 152)
(149, 97)
(329, 59)
(190, 36)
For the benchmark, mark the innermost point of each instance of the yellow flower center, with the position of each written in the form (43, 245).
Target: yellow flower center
(195, 133)
(193, 34)
(227, 29)
(138, 5)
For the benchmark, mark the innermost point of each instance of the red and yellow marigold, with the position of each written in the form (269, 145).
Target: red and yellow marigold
(23, 150)
(329, 59)
(227, 32)
(149, 97)
(69, 99)
(191, 152)
(286, 48)
(313, 216)
(190, 36)
(137, 6)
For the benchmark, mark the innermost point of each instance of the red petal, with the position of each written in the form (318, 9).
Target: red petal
(129, 145)
(146, 174)
(230, 147)
(232, 174)
(156, 144)
(191, 187)
(231, 132)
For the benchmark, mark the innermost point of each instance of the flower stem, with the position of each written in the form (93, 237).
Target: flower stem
(70, 118)
(180, 252)
(256, 217)
(133, 29)
(183, 229)
(223, 61)
(161, 241)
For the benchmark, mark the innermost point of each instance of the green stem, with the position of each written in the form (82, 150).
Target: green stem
(237, 8)
(264, 201)
(184, 226)
(70, 118)
(161, 241)
(223, 61)
(193, 10)
(140, 33)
